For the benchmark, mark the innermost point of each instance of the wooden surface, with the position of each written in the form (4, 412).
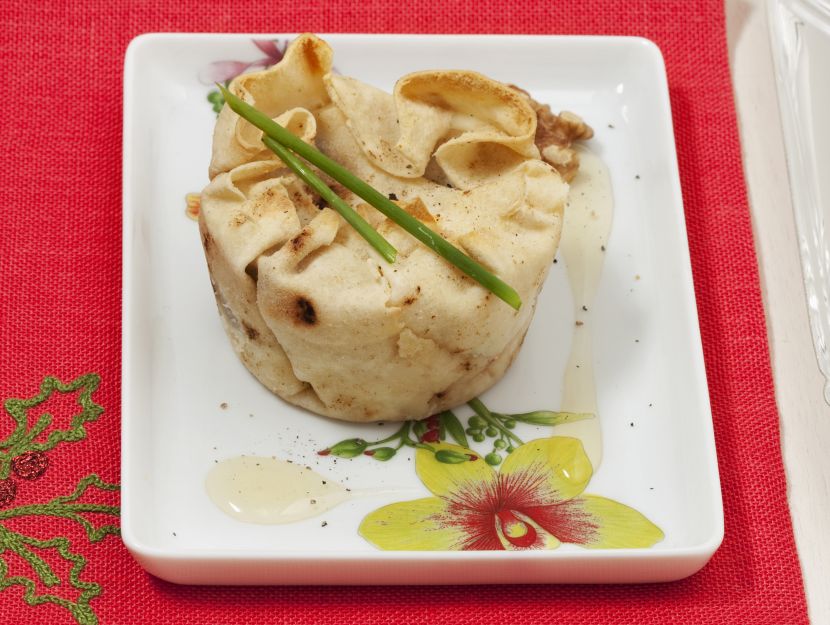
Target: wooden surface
(805, 417)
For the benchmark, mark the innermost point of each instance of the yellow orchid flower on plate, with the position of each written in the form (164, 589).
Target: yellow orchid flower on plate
(535, 501)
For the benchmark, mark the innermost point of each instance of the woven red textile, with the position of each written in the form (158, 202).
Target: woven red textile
(60, 198)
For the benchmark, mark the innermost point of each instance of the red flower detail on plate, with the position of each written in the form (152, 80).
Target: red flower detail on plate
(535, 501)
(223, 71)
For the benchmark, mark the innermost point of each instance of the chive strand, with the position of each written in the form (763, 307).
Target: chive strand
(364, 229)
(413, 226)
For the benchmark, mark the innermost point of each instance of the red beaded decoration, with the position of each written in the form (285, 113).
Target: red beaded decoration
(8, 491)
(30, 465)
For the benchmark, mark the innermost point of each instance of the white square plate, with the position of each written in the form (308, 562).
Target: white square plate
(178, 367)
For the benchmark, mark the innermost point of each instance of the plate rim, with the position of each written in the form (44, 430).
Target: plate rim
(148, 554)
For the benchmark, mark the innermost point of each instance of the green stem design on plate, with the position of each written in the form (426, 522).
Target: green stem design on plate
(424, 433)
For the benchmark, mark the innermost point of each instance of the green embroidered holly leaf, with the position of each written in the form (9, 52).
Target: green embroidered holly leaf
(24, 438)
(27, 549)
(70, 507)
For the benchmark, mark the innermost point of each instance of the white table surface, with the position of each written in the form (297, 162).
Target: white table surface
(805, 417)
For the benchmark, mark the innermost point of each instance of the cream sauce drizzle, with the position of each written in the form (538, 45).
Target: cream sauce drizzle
(585, 234)
(265, 490)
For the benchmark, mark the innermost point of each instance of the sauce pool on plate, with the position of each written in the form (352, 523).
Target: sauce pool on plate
(266, 490)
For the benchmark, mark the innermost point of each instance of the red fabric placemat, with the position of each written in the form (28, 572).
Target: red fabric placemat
(60, 281)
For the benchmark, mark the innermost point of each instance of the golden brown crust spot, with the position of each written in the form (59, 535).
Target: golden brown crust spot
(238, 219)
(250, 331)
(310, 56)
(298, 241)
(305, 312)
(344, 401)
(418, 210)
